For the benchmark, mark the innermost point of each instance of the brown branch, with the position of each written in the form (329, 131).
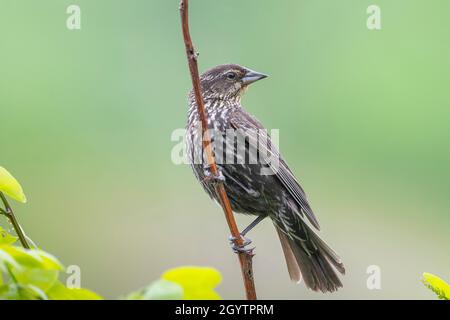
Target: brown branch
(9, 213)
(245, 259)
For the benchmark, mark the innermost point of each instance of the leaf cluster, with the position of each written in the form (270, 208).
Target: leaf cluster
(33, 274)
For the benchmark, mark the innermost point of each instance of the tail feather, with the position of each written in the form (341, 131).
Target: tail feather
(329, 253)
(292, 265)
(314, 258)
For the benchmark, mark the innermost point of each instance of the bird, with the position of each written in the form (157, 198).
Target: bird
(260, 188)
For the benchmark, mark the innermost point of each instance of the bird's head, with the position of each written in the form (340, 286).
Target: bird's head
(227, 82)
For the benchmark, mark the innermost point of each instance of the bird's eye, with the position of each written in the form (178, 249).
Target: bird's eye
(231, 75)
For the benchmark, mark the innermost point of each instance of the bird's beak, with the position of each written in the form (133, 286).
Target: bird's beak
(252, 76)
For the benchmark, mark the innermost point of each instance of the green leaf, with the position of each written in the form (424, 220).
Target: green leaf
(24, 257)
(158, 290)
(49, 262)
(7, 259)
(34, 275)
(60, 292)
(163, 290)
(83, 294)
(32, 258)
(137, 295)
(198, 283)
(10, 186)
(9, 292)
(14, 291)
(6, 238)
(4, 289)
(35, 292)
(41, 279)
(437, 285)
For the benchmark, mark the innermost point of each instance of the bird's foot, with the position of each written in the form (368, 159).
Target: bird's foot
(241, 248)
(211, 177)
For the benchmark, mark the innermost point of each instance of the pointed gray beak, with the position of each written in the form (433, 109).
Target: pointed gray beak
(252, 76)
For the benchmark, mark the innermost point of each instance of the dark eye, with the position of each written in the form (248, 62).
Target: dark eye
(231, 75)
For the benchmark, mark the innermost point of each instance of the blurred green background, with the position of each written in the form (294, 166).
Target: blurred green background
(86, 119)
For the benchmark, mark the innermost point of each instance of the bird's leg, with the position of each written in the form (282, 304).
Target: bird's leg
(211, 177)
(253, 224)
(245, 241)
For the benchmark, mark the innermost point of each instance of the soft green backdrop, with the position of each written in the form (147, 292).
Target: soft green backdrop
(86, 118)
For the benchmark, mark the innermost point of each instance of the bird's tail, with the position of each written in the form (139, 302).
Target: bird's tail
(309, 257)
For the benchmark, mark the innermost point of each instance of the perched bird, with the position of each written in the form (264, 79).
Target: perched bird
(251, 190)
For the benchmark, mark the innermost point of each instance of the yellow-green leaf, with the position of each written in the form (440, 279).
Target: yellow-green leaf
(24, 257)
(83, 294)
(10, 186)
(49, 261)
(42, 279)
(437, 285)
(10, 292)
(198, 283)
(137, 295)
(33, 258)
(35, 292)
(163, 290)
(6, 259)
(6, 238)
(60, 292)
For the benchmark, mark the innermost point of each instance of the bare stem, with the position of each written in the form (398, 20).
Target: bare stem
(245, 259)
(8, 212)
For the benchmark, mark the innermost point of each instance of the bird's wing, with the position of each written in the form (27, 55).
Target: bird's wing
(257, 136)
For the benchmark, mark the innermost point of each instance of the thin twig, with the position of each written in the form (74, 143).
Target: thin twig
(245, 259)
(9, 213)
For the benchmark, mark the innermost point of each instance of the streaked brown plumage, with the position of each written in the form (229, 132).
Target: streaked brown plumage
(278, 195)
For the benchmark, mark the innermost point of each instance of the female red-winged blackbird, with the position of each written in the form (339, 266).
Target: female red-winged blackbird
(265, 188)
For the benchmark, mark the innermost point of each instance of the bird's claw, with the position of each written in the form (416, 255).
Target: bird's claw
(241, 248)
(212, 178)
